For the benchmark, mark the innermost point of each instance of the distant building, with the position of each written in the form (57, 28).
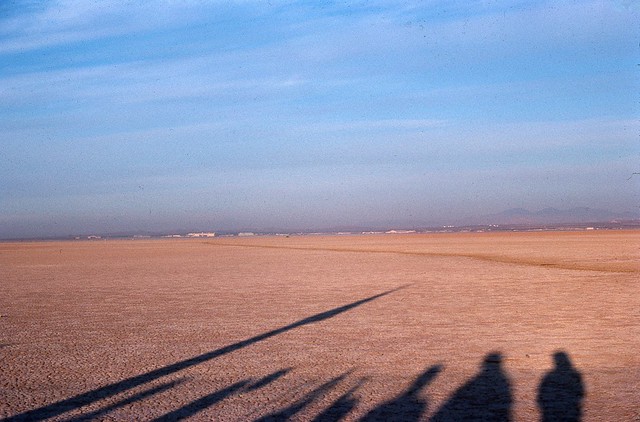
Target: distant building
(243, 234)
(201, 234)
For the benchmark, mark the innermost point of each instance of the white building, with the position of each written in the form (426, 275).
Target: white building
(201, 234)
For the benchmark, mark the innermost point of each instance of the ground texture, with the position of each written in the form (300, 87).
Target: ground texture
(483, 326)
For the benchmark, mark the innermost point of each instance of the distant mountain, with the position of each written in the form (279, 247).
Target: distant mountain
(521, 216)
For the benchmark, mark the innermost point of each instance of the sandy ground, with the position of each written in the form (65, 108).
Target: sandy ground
(440, 327)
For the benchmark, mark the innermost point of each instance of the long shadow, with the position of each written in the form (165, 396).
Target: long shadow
(109, 390)
(267, 380)
(561, 391)
(486, 397)
(341, 407)
(290, 411)
(408, 406)
(136, 397)
(202, 403)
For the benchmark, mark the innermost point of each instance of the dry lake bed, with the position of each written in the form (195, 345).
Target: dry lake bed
(500, 326)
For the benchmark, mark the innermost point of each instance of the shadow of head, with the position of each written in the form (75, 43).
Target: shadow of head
(493, 358)
(562, 360)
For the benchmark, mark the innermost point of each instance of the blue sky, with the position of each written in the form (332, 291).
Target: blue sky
(210, 115)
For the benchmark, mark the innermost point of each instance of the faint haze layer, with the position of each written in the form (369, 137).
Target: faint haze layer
(120, 116)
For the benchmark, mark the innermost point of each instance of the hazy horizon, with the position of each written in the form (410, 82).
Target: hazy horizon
(162, 116)
(549, 217)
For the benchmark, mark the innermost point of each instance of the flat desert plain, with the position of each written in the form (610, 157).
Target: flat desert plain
(491, 326)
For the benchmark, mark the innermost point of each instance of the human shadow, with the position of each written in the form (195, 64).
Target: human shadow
(408, 406)
(209, 400)
(561, 391)
(202, 403)
(341, 407)
(486, 397)
(124, 402)
(290, 411)
(92, 396)
(267, 379)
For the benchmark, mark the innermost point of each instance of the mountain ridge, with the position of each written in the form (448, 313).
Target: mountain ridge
(549, 215)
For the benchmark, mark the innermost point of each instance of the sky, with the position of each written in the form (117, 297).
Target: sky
(209, 115)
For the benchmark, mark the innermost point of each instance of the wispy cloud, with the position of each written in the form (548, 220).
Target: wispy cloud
(64, 22)
(323, 104)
